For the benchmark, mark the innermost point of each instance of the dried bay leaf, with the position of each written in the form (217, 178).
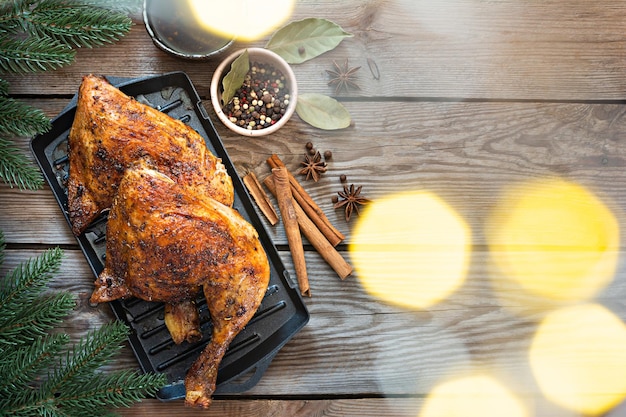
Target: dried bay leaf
(235, 77)
(322, 111)
(305, 39)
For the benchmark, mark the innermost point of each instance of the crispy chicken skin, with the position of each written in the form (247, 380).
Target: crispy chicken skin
(166, 242)
(111, 130)
(183, 321)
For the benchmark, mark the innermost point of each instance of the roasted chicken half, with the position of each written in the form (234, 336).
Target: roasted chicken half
(166, 242)
(112, 130)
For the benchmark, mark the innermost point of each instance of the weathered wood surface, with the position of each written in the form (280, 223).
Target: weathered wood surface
(354, 344)
(552, 50)
(468, 153)
(474, 97)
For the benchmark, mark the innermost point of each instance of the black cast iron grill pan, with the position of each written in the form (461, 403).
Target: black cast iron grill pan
(282, 313)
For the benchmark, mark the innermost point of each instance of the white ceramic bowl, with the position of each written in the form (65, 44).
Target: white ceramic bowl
(263, 56)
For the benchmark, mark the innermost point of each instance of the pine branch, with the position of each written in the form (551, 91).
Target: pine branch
(83, 359)
(118, 389)
(20, 119)
(31, 323)
(11, 12)
(123, 6)
(26, 282)
(55, 27)
(20, 290)
(14, 7)
(16, 169)
(3, 246)
(76, 24)
(22, 404)
(4, 87)
(33, 54)
(75, 387)
(94, 396)
(10, 25)
(39, 35)
(19, 367)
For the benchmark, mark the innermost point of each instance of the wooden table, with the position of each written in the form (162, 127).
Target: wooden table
(473, 97)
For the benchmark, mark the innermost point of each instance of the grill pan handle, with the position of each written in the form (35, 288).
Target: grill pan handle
(236, 385)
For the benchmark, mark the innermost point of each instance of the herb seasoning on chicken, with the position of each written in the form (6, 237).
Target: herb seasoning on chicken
(112, 130)
(171, 231)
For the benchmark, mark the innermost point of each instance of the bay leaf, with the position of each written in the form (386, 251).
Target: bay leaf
(301, 40)
(235, 77)
(322, 111)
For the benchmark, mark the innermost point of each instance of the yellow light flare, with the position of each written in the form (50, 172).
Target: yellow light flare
(242, 19)
(555, 240)
(578, 357)
(472, 396)
(410, 249)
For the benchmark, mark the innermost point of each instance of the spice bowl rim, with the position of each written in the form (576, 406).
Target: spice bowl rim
(165, 47)
(262, 55)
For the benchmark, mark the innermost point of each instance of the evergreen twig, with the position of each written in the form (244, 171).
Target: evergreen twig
(10, 12)
(76, 24)
(45, 378)
(31, 323)
(84, 358)
(20, 119)
(33, 55)
(21, 290)
(3, 246)
(4, 87)
(39, 35)
(16, 169)
(21, 365)
(25, 283)
(118, 389)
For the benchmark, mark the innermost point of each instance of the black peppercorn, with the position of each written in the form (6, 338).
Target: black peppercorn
(261, 100)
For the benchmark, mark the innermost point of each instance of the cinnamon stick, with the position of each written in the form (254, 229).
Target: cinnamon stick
(290, 221)
(313, 211)
(262, 200)
(326, 250)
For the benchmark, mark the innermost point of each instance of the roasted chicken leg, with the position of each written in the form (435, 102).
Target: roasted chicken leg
(112, 130)
(165, 242)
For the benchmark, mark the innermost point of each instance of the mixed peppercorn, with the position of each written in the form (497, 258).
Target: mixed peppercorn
(262, 99)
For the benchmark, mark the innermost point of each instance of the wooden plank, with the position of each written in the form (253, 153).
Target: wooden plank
(374, 407)
(467, 153)
(474, 96)
(552, 50)
(360, 407)
(355, 344)
(32, 217)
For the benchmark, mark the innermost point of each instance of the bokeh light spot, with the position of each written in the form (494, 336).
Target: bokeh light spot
(555, 239)
(410, 249)
(243, 19)
(578, 357)
(472, 396)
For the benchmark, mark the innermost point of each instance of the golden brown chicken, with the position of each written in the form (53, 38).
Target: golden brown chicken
(111, 130)
(166, 242)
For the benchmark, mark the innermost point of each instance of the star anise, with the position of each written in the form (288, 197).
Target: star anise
(313, 166)
(343, 78)
(352, 199)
